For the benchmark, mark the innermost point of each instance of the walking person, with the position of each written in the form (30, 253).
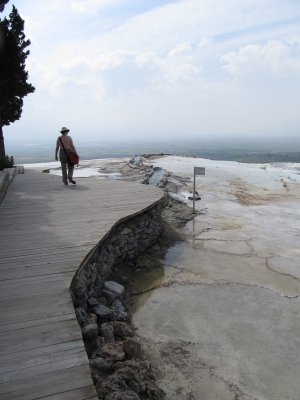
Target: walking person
(65, 145)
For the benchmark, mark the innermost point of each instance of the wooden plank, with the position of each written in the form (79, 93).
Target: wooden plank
(56, 362)
(86, 393)
(38, 270)
(44, 253)
(28, 309)
(37, 286)
(35, 322)
(43, 240)
(45, 257)
(15, 361)
(39, 336)
(53, 383)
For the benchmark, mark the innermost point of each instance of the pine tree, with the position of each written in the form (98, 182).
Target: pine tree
(2, 4)
(13, 76)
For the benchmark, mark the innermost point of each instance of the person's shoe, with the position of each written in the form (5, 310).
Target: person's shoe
(71, 180)
(65, 182)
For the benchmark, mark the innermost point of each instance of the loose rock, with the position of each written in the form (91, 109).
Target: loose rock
(114, 287)
(120, 310)
(130, 377)
(91, 319)
(109, 296)
(90, 331)
(112, 351)
(103, 313)
(107, 331)
(132, 349)
(121, 330)
(127, 395)
(101, 367)
(81, 315)
(93, 301)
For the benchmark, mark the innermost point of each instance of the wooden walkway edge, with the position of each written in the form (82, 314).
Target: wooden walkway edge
(47, 229)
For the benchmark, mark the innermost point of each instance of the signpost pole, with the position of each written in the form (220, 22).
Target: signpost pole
(194, 189)
(197, 171)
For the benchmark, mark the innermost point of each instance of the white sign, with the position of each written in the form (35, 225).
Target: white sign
(199, 170)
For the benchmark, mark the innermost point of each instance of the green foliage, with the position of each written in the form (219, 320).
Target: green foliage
(2, 4)
(6, 162)
(13, 76)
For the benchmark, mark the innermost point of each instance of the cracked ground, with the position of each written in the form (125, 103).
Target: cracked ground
(221, 313)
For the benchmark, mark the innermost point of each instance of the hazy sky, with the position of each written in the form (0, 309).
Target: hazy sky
(161, 68)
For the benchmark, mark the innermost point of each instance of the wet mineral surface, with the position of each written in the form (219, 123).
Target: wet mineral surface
(217, 302)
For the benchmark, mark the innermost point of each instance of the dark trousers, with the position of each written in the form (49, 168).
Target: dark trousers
(66, 167)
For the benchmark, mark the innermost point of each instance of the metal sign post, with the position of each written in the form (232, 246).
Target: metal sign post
(197, 171)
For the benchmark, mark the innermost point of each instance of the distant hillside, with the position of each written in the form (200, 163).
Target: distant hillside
(248, 150)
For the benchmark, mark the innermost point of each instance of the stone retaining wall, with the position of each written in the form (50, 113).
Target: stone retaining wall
(6, 178)
(116, 357)
(123, 243)
(4, 182)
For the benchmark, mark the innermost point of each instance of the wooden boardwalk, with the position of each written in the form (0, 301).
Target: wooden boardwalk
(46, 231)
